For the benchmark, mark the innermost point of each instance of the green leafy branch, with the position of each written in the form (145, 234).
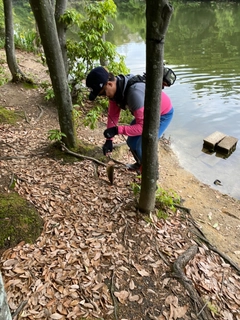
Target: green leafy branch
(55, 135)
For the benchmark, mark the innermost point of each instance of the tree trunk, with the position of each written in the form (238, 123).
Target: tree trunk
(60, 8)
(17, 74)
(4, 309)
(44, 15)
(158, 14)
(103, 60)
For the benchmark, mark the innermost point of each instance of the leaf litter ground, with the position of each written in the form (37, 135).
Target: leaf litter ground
(97, 257)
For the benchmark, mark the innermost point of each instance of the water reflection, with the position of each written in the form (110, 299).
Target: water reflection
(203, 49)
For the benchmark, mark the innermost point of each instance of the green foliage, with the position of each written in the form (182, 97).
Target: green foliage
(23, 16)
(162, 214)
(25, 40)
(118, 66)
(55, 135)
(45, 84)
(92, 117)
(212, 308)
(103, 102)
(3, 78)
(136, 188)
(2, 43)
(49, 94)
(166, 199)
(1, 18)
(91, 48)
(25, 35)
(126, 117)
(71, 17)
(86, 49)
(76, 115)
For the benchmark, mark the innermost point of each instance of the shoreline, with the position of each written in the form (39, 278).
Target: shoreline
(217, 214)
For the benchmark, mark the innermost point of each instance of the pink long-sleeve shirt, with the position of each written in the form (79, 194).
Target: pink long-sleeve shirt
(137, 109)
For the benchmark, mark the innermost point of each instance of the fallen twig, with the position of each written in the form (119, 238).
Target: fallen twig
(41, 113)
(206, 303)
(125, 233)
(178, 267)
(112, 295)
(161, 255)
(12, 157)
(230, 214)
(11, 181)
(19, 309)
(26, 117)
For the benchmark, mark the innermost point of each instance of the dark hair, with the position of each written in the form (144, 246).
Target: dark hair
(111, 76)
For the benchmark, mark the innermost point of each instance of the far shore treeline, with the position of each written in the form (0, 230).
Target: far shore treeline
(143, 1)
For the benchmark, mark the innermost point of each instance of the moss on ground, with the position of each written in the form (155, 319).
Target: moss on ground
(8, 116)
(19, 221)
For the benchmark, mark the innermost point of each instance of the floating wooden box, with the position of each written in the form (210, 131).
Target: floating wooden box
(211, 141)
(227, 145)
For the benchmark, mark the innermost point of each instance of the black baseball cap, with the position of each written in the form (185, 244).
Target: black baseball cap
(96, 80)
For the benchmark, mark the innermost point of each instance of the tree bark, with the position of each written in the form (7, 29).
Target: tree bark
(44, 15)
(17, 74)
(60, 8)
(158, 14)
(4, 309)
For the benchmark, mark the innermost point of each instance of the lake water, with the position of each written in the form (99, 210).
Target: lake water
(203, 49)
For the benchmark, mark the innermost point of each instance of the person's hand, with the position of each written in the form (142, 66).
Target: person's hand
(107, 147)
(110, 132)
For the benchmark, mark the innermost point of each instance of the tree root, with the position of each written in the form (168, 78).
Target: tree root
(200, 235)
(177, 268)
(40, 114)
(81, 156)
(110, 167)
(214, 249)
(182, 208)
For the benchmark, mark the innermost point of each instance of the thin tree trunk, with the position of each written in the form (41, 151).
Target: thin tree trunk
(17, 74)
(60, 8)
(44, 15)
(158, 14)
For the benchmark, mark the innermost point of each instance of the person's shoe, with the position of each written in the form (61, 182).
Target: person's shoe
(133, 167)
